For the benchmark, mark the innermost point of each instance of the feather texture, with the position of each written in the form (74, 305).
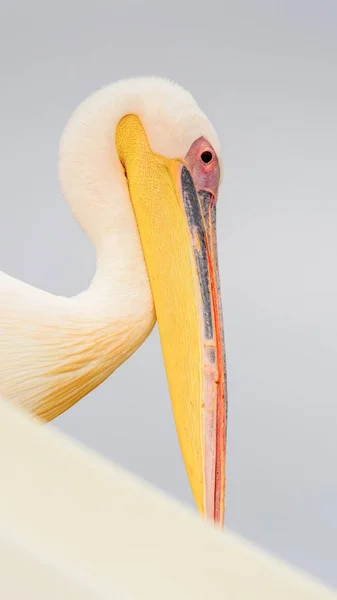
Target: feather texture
(54, 350)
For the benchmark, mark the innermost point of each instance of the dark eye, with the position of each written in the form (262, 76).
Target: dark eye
(206, 157)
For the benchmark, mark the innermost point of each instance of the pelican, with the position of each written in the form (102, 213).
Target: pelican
(140, 167)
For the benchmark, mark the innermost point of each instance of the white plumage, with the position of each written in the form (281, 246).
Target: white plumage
(54, 350)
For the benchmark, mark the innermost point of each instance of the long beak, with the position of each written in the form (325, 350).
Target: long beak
(177, 231)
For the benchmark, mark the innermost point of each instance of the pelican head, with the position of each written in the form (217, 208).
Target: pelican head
(140, 167)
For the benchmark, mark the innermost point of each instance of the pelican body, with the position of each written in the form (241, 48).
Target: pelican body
(140, 167)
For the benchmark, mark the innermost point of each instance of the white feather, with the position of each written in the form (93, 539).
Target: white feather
(54, 350)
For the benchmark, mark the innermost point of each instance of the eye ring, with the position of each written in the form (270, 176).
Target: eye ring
(206, 157)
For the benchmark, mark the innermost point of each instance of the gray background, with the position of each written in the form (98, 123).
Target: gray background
(265, 73)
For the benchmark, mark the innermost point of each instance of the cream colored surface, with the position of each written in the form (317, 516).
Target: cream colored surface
(54, 350)
(74, 526)
(29, 576)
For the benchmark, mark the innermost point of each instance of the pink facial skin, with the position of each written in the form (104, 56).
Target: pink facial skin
(204, 166)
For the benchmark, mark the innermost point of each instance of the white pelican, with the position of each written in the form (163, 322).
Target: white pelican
(140, 168)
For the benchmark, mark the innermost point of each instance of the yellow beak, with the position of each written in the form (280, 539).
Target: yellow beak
(179, 245)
